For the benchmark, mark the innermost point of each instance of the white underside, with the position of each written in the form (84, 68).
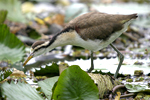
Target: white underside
(72, 38)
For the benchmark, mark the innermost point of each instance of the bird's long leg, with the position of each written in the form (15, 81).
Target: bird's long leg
(92, 64)
(121, 57)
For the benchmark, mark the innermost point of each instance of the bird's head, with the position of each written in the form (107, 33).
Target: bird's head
(37, 49)
(40, 47)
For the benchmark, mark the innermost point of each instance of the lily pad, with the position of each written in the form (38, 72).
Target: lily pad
(11, 47)
(75, 84)
(47, 86)
(137, 88)
(49, 71)
(20, 91)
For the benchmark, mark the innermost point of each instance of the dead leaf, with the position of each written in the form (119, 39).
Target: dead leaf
(62, 67)
(118, 96)
(48, 20)
(17, 73)
(58, 19)
(40, 21)
(104, 83)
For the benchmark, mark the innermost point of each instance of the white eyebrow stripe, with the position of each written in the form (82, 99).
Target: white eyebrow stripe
(44, 44)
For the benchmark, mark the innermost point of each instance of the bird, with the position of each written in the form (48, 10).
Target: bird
(93, 31)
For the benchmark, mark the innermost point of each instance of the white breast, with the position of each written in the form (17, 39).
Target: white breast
(87, 44)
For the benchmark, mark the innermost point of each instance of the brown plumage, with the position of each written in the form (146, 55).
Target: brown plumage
(96, 25)
(93, 25)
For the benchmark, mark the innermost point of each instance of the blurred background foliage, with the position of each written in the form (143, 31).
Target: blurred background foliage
(22, 22)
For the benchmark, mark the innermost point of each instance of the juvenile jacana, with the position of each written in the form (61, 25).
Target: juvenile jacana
(92, 31)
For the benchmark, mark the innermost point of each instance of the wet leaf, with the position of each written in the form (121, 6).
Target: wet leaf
(47, 85)
(11, 47)
(75, 84)
(20, 91)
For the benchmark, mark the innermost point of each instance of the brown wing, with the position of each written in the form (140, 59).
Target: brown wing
(96, 25)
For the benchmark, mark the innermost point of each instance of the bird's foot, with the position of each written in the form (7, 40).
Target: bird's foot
(89, 71)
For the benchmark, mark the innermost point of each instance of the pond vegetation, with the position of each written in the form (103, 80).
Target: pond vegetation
(61, 73)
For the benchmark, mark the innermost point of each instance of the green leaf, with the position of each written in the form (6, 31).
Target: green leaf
(3, 14)
(20, 91)
(75, 84)
(11, 47)
(49, 71)
(137, 88)
(47, 85)
(4, 74)
(14, 10)
(32, 33)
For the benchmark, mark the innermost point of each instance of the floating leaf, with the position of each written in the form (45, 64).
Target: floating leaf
(11, 47)
(75, 84)
(14, 10)
(47, 85)
(20, 91)
(137, 88)
(49, 71)
(3, 14)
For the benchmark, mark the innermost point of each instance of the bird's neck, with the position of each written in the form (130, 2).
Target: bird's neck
(63, 39)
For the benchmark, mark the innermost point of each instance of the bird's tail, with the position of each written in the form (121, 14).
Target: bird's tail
(128, 18)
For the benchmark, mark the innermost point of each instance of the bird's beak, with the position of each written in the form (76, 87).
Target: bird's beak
(29, 57)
